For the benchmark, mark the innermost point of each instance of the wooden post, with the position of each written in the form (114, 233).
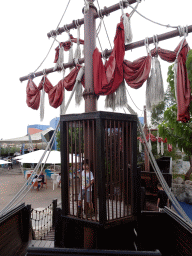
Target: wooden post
(89, 47)
(89, 96)
(147, 166)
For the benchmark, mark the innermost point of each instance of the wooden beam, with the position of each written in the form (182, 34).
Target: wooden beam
(107, 53)
(104, 12)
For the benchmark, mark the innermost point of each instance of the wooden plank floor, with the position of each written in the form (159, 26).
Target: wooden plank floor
(41, 244)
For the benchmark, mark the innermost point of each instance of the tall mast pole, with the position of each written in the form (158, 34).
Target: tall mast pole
(147, 166)
(89, 47)
(90, 97)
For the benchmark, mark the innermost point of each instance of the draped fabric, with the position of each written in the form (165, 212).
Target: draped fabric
(66, 46)
(55, 93)
(33, 95)
(108, 77)
(137, 72)
(183, 84)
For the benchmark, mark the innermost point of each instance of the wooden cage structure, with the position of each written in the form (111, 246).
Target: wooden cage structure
(106, 144)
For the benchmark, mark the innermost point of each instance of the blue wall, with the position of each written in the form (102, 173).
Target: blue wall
(53, 124)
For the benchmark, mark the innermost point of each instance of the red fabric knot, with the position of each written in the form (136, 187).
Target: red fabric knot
(33, 94)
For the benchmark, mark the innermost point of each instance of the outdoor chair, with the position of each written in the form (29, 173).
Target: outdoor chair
(35, 185)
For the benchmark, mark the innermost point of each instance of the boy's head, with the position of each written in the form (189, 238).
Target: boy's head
(159, 186)
(86, 167)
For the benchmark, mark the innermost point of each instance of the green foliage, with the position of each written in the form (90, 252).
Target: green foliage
(177, 133)
(157, 114)
(170, 79)
(6, 151)
(58, 139)
(73, 134)
(165, 115)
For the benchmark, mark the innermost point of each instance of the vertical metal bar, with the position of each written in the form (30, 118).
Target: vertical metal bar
(44, 215)
(64, 168)
(80, 161)
(136, 176)
(72, 183)
(39, 222)
(93, 170)
(130, 164)
(85, 157)
(119, 166)
(107, 165)
(115, 165)
(100, 167)
(68, 168)
(75, 162)
(127, 166)
(111, 169)
(123, 167)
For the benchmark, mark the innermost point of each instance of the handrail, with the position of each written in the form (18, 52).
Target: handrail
(11, 212)
(178, 218)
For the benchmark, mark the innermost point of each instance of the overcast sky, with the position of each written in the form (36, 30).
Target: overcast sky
(24, 44)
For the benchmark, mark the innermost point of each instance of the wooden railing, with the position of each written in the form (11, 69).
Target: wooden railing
(43, 221)
(92, 252)
(15, 227)
(166, 231)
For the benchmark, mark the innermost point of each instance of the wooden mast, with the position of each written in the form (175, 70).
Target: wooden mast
(90, 98)
(89, 47)
(147, 166)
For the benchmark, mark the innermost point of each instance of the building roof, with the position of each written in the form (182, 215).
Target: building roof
(25, 139)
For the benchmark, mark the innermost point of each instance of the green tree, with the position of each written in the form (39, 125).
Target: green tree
(73, 140)
(58, 139)
(177, 133)
(157, 113)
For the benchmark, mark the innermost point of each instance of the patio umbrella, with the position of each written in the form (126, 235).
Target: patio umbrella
(4, 162)
(35, 156)
(54, 157)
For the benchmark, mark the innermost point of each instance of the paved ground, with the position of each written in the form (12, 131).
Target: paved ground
(12, 181)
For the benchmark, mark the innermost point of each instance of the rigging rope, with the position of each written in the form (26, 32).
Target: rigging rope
(104, 24)
(54, 38)
(155, 22)
(158, 172)
(11, 204)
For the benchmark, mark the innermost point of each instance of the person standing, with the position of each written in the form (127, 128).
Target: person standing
(86, 181)
(162, 198)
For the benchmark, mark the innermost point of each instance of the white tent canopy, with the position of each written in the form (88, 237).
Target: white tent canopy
(54, 157)
(51, 157)
(37, 137)
(4, 162)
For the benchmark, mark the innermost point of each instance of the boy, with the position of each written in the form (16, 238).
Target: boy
(162, 198)
(86, 182)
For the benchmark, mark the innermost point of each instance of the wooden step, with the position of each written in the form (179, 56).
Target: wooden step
(41, 244)
(50, 236)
